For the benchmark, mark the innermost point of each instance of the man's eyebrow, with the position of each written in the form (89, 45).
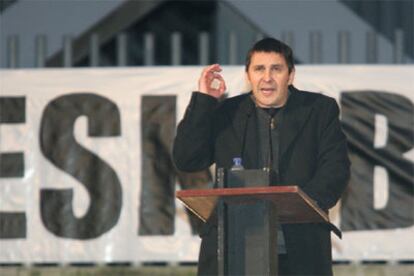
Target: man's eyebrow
(271, 65)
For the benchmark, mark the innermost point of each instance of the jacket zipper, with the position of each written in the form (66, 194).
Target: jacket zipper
(272, 123)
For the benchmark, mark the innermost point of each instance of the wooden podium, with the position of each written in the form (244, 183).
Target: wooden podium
(249, 245)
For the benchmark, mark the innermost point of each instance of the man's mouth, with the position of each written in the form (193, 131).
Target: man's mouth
(267, 90)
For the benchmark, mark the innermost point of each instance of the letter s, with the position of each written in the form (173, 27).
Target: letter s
(59, 146)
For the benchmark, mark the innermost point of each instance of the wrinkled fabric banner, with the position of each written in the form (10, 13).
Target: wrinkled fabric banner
(86, 172)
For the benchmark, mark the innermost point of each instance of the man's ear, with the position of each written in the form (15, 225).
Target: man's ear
(291, 76)
(247, 77)
(248, 84)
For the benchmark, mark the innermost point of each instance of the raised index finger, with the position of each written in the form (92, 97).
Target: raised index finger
(212, 69)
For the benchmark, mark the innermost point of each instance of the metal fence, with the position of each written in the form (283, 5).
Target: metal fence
(315, 43)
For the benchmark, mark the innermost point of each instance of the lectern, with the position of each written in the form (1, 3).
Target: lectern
(247, 222)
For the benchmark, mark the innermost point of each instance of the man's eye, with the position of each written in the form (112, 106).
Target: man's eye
(259, 69)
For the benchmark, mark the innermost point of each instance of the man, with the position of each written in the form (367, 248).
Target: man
(295, 134)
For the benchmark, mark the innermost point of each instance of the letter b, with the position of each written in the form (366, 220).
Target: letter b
(359, 110)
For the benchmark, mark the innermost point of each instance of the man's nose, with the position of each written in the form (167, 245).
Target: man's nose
(267, 76)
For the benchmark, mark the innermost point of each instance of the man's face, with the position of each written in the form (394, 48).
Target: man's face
(269, 77)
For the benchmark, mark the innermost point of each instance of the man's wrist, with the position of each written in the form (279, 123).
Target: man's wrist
(208, 94)
(205, 94)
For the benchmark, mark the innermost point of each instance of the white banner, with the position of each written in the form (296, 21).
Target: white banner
(36, 105)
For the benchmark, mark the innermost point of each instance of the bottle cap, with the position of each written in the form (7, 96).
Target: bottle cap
(237, 161)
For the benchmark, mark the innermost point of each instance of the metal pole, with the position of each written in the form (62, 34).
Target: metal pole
(232, 48)
(315, 47)
(94, 50)
(289, 39)
(41, 51)
(344, 47)
(148, 49)
(399, 46)
(176, 49)
(67, 51)
(121, 49)
(204, 48)
(371, 47)
(12, 51)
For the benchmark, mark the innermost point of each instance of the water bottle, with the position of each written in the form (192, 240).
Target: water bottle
(237, 164)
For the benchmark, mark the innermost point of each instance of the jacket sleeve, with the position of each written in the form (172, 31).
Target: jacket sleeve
(193, 148)
(333, 165)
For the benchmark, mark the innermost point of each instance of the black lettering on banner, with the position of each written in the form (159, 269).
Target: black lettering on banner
(157, 202)
(12, 111)
(59, 146)
(358, 117)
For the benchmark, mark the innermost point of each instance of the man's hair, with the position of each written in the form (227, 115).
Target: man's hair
(269, 45)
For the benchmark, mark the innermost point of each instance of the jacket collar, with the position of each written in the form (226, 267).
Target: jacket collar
(294, 116)
(243, 123)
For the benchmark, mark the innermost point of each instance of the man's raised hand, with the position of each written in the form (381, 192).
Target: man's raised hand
(211, 82)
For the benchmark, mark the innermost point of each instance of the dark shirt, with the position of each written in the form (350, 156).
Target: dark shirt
(268, 139)
(268, 119)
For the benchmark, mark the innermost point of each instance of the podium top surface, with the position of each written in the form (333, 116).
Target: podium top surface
(293, 205)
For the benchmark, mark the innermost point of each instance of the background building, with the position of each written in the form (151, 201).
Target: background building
(160, 32)
(135, 33)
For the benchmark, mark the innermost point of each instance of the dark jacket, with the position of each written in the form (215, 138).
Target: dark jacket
(312, 155)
